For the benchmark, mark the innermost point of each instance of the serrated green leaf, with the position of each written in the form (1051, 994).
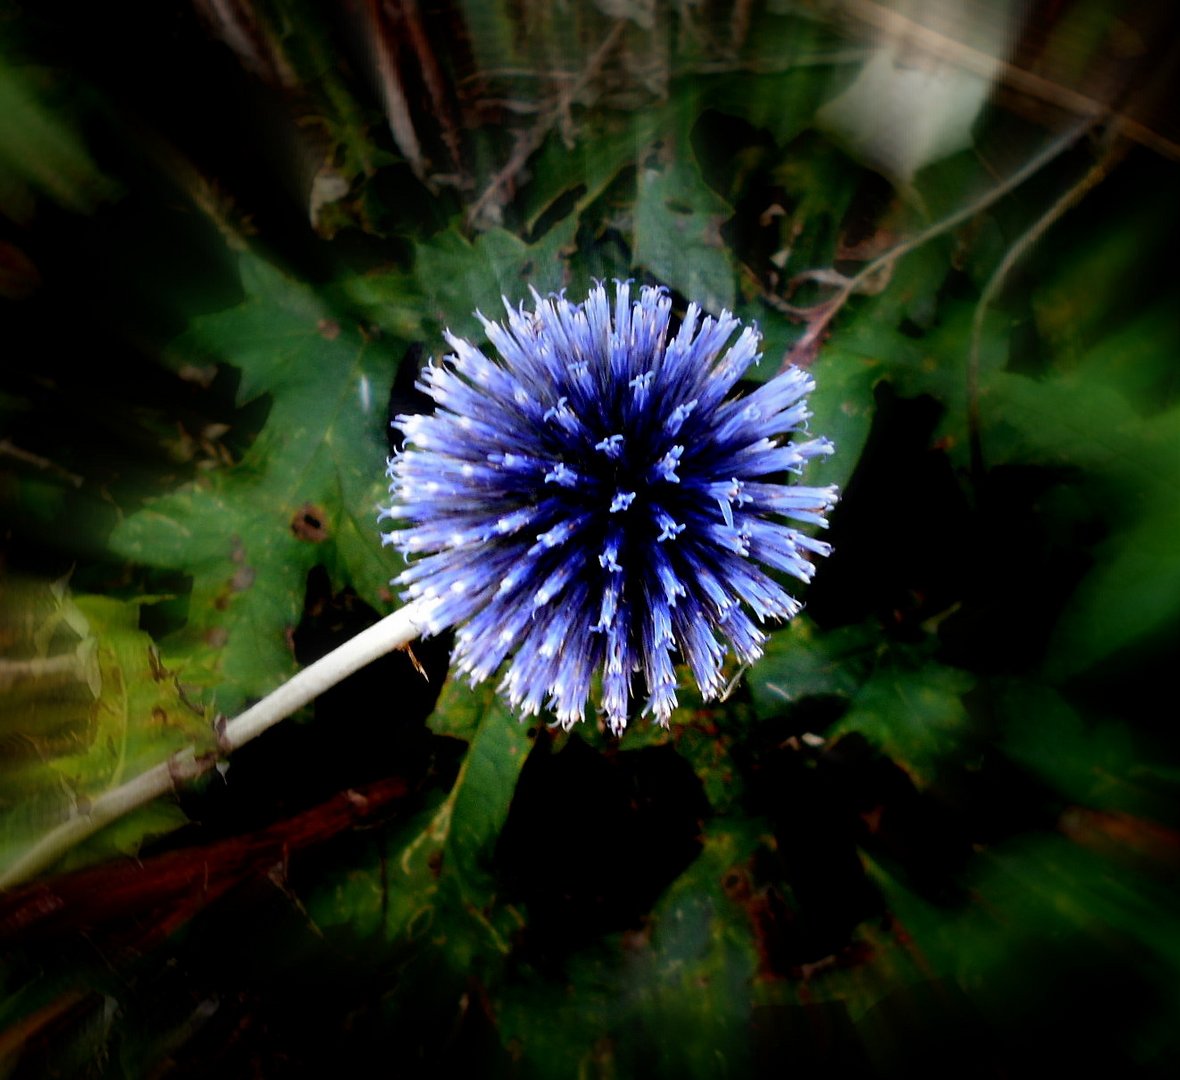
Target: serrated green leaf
(306, 492)
(387, 299)
(458, 277)
(678, 220)
(915, 716)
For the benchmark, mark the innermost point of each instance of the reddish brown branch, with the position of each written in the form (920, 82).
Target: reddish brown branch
(156, 896)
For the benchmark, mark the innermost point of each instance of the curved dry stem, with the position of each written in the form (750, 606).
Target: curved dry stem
(882, 264)
(531, 140)
(392, 632)
(1093, 176)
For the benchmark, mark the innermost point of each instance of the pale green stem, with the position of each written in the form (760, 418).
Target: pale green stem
(89, 816)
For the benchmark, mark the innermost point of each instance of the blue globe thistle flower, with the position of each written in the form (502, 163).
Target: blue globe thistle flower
(593, 501)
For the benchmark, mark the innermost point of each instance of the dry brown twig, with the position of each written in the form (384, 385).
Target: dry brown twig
(530, 141)
(10, 450)
(393, 94)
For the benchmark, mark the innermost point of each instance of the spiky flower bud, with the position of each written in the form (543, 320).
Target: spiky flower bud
(594, 500)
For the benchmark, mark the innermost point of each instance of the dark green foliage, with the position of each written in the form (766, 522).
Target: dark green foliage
(935, 828)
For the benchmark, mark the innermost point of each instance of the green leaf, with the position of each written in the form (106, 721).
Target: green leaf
(483, 791)
(820, 184)
(790, 64)
(914, 715)
(678, 220)
(603, 148)
(41, 153)
(1043, 903)
(879, 963)
(87, 705)
(436, 872)
(458, 277)
(801, 662)
(1130, 467)
(306, 492)
(1101, 764)
(842, 408)
(699, 965)
(686, 976)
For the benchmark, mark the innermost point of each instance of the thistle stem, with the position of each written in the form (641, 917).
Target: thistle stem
(88, 817)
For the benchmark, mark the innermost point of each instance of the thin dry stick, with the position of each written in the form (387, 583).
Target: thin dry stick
(531, 140)
(397, 108)
(859, 281)
(1012, 256)
(432, 77)
(9, 449)
(392, 632)
(852, 55)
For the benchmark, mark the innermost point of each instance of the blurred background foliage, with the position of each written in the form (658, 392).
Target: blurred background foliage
(935, 828)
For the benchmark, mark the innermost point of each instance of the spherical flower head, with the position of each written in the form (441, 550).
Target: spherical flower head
(594, 501)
